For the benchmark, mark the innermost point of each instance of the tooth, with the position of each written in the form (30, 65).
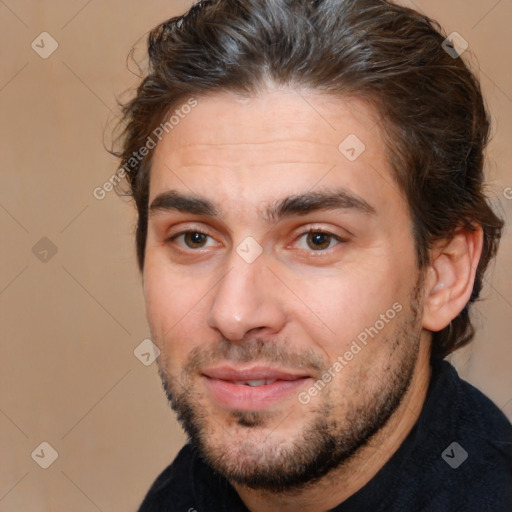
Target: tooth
(259, 382)
(256, 382)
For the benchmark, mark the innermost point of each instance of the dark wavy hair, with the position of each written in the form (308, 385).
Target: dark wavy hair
(432, 114)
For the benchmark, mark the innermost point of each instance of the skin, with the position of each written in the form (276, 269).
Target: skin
(293, 306)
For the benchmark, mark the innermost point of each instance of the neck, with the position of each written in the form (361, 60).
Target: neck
(355, 473)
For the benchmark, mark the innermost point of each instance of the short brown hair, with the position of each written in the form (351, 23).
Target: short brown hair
(430, 104)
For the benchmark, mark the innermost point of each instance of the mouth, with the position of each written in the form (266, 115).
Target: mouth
(256, 382)
(252, 388)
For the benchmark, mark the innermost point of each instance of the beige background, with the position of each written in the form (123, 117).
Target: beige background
(69, 325)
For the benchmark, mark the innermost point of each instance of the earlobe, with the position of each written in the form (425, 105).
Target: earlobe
(451, 276)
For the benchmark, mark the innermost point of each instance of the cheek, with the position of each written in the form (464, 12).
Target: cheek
(341, 305)
(174, 306)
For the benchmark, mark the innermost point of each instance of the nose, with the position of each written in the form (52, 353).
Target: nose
(246, 301)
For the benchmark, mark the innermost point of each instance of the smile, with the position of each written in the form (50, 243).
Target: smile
(252, 388)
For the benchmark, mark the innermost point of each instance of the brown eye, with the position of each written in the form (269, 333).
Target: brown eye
(194, 240)
(318, 241)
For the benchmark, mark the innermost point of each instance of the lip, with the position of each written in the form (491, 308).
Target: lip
(252, 372)
(221, 383)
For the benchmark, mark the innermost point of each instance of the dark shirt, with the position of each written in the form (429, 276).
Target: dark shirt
(428, 473)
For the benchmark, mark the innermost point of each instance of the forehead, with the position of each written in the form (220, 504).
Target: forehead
(287, 119)
(280, 141)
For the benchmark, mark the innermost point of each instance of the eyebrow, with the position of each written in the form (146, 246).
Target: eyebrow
(173, 200)
(299, 204)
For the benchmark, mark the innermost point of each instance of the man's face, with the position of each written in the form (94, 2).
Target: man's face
(281, 283)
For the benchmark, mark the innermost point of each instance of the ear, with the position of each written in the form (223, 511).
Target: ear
(451, 276)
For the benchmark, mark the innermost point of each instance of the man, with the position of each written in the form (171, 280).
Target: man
(312, 231)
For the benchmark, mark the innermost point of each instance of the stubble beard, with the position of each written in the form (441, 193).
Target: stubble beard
(255, 457)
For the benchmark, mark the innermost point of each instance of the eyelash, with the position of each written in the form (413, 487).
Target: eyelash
(182, 233)
(320, 231)
(315, 231)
